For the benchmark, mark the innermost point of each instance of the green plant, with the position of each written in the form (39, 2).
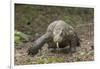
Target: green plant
(20, 37)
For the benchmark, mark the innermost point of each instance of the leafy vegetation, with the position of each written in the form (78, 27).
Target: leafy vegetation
(20, 37)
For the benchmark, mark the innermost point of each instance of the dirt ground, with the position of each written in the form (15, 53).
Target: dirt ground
(44, 56)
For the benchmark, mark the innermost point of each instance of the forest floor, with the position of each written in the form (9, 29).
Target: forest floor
(83, 53)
